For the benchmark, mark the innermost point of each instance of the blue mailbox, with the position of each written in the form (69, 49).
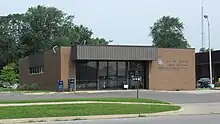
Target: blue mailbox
(60, 85)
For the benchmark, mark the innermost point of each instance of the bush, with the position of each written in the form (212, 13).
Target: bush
(26, 87)
(34, 86)
(8, 74)
(23, 87)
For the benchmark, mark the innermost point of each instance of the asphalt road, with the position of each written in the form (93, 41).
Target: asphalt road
(196, 119)
(174, 97)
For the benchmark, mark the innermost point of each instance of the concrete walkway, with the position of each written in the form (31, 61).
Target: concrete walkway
(76, 102)
(86, 91)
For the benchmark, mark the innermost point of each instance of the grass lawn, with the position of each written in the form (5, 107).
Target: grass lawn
(87, 99)
(37, 111)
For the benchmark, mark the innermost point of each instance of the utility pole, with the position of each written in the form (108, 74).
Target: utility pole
(210, 51)
(202, 24)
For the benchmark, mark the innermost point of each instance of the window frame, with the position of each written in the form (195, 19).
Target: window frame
(35, 70)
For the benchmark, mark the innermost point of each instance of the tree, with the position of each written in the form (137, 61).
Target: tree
(10, 30)
(8, 74)
(167, 32)
(208, 50)
(49, 26)
(204, 49)
(39, 29)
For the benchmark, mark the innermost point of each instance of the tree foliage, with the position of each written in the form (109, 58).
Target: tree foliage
(203, 49)
(167, 32)
(39, 29)
(8, 74)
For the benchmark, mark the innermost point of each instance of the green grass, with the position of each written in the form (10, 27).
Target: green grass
(37, 111)
(87, 99)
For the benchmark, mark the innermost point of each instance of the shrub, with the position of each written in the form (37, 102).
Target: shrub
(23, 87)
(34, 86)
(8, 74)
(26, 87)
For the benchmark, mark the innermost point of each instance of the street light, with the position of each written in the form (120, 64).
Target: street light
(210, 52)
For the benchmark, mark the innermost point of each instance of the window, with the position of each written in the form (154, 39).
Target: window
(121, 74)
(103, 73)
(112, 75)
(36, 70)
(103, 68)
(86, 74)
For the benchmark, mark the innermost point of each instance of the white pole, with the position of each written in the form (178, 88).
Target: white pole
(202, 25)
(210, 52)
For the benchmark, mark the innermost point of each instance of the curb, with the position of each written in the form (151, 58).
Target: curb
(81, 102)
(72, 118)
(74, 92)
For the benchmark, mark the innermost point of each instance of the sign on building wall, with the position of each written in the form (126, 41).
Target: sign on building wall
(177, 65)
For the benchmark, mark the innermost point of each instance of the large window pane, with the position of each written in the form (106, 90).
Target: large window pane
(80, 74)
(121, 74)
(112, 75)
(103, 68)
(86, 74)
(91, 74)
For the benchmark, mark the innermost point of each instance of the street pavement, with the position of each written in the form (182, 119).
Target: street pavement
(173, 97)
(186, 119)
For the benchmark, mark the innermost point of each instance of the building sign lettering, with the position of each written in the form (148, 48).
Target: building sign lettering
(173, 65)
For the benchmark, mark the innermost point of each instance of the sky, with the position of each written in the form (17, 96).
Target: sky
(127, 22)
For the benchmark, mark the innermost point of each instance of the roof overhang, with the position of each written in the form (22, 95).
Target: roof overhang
(113, 52)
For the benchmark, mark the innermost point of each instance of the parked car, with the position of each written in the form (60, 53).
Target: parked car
(203, 83)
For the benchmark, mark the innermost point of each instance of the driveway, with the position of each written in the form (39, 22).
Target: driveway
(174, 97)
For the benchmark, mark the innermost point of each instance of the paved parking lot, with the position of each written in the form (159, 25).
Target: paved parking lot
(174, 97)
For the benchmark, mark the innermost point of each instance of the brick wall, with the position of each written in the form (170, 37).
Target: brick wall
(175, 69)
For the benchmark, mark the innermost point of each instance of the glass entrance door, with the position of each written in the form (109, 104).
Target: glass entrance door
(136, 69)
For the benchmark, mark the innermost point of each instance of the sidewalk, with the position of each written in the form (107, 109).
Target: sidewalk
(74, 92)
(77, 102)
(205, 91)
(71, 118)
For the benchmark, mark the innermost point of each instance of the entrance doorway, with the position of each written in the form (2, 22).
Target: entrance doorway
(103, 75)
(137, 69)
